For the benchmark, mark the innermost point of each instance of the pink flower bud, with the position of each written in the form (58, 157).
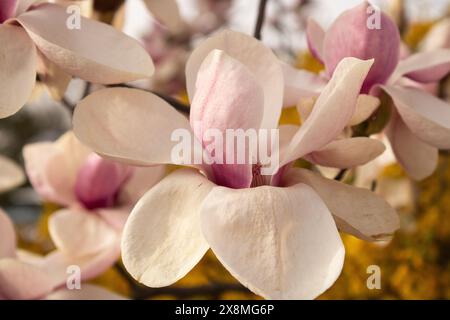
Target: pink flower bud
(7, 9)
(99, 181)
(365, 33)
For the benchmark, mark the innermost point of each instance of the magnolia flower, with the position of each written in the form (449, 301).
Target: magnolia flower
(276, 234)
(420, 122)
(35, 38)
(24, 275)
(11, 175)
(97, 195)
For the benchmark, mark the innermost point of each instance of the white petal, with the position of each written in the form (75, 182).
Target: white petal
(282, 243)
(167, 12)
(11, 175)
(365, 107)
(162, 240)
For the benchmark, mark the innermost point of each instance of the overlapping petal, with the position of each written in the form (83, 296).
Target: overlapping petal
(315, 36)
(281, 243)
(7, 236)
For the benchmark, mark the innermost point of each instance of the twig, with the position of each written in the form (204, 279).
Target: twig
(340, 175)
(260, 19)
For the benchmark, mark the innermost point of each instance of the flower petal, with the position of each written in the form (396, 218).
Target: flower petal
(426, 116)
(87, 292)
(418, 158)
(7, 236)
(55, 79)
(129, 125)
(18, 65)
(424, 67)
(227, 97)
(281, 243)
(300, 84)
(7, 9)
(11, 175)
(365, 107)
(167, 12)
(78, 233)
(347, 153)
(53, 167)
(315, 36)
(259, 59)
(162, 240)
(96, 53)
(356, 211)
(21, 281)
(438, 37)
(332, 110)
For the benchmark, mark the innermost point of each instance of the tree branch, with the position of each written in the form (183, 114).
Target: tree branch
(260, 19)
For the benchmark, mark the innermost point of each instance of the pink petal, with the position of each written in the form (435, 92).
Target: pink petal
(115, 217)
(18, 69)
(300, 84)
(21, 281)
(227, 97)
(7, 236)
(315, 36)
(87, 292)
(162, 240)
(281, 243)
(418, 158)
(356, 211)
(259, 59)
(7, 9)
(79, 233)
(143, 139)
(98, 53)
(425, 67)
(332, 110)
(99, 181)
(425, 115)
(167, 12)
(52, 167)
(349, 36)
(347, 153)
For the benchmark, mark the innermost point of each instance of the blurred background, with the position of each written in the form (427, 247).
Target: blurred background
(414, 265)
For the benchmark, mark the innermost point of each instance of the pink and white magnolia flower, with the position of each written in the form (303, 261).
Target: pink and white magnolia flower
(24, 275)
(420, 123)
(97, 195)
(277, 235)
(35, 38)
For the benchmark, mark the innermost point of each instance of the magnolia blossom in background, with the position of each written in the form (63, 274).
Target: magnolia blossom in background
(278, 235)
(24, 275)
(35, 38)
(11, 175)
(97, 196)
(419, 123)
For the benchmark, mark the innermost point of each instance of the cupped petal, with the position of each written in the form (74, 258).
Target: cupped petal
(355, 34)
(53, 167)
(300, 84)
(418, 158)
(77, 233)
(315, 36)
(347, 153)
(357, 211)
(424, 67)
(21, 281)
(162, 240)
(87, 292)
(24, 5)
(365, 107)
(7, 236)
(168, 13)
(11, 175)
(18, 65)
(426, 116)
(97, 52)
(227, 97)
(129, 125)
(438, 37)
(259, 59)
(333, 109)
(281, 243)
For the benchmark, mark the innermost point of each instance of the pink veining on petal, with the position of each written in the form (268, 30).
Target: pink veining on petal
(364, 33)
(7, 9)
(99, 181)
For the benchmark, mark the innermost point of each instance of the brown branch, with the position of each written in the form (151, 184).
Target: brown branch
(260, 19)
(340, 175)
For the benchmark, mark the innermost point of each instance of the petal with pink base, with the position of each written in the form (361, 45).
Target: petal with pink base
(7, 9)
(315, 36)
